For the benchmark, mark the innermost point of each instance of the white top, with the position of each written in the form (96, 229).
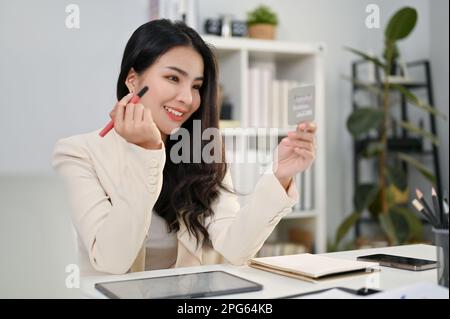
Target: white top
(161, 246)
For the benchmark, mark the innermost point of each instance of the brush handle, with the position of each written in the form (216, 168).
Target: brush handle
(437, 210)
(107, 128)
(135, 99)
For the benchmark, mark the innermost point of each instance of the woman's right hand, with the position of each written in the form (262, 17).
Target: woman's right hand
(135, 124)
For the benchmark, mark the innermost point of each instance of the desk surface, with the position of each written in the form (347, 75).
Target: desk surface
(276, 286)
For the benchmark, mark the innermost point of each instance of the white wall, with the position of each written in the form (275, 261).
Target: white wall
(439, 63)
(57, 82)
(36, 238)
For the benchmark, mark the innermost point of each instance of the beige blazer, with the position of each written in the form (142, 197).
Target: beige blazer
(113, 186)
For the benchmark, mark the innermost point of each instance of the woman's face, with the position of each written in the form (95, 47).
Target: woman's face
(174, 82)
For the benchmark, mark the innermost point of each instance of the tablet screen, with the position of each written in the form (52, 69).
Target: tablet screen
(205, 284)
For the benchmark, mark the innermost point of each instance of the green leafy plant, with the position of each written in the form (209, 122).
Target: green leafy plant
(262, 15)
(386, 199)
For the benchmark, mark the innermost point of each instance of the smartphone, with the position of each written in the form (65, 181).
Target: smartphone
(400, 262)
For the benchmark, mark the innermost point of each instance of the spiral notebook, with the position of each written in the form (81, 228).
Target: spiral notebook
(313, 268)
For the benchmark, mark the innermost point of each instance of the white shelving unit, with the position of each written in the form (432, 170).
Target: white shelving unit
(302, 62)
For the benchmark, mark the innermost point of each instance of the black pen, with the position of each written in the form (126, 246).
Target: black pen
(421, 208)
(445, 206)
(437, 209)
(427, 211)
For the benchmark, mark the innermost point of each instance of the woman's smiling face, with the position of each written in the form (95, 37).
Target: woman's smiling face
(174, 82)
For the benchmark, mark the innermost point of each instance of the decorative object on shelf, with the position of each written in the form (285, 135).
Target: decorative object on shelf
(238, 28)
(183, 10)
(213, 26)
(262, 23)
(386, 198)
(226, 27)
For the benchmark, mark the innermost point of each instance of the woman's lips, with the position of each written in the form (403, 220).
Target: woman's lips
(172, 116)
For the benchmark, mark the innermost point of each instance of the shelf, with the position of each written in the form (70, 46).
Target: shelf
(373, 221)
(250, 71)
(407, 145)
(239, 131)
(301, 214)
(408, 85)
(282, 48)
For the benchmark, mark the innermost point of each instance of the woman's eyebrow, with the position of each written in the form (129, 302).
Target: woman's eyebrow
(184, 73)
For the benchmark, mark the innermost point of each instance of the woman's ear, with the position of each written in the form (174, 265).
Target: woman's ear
(131, 81)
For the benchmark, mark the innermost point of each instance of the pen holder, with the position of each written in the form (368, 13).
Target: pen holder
(441, 242)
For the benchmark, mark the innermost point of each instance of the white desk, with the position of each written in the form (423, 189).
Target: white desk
(276, 286)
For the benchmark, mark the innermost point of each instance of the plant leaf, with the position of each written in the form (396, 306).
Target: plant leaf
(363, 120)
(262, 14)
(367, 86)
(419, 166)
(415, 101)
(364, 195)
(389, 55)
(388, 228)
(401, 227)
(401, 24)
(415, 226)
(366, 56)
(397, 177)
(346, 225)
(375, 207)
(373, 149)
(415, 129)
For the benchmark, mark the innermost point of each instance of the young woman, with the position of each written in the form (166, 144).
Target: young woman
(136, 209)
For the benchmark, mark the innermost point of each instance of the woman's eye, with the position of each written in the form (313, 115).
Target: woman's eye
(197, 87)
(173, 78)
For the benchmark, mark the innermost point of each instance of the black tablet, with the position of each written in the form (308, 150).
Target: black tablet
(196, 285)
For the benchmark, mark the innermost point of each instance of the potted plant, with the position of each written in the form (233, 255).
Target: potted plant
(386, 198)
(261, 23)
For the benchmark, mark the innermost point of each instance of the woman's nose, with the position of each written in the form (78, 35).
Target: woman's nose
(185, 95)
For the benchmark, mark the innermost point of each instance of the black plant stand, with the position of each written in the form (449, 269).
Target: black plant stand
(405, 142)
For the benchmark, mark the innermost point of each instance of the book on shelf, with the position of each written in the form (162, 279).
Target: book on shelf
(229, 124)
(267, 99)
(312, 268)
(298, 184)
(308, 189)
(304, 183)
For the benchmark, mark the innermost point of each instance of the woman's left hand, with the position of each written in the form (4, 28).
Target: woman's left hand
(295, 153)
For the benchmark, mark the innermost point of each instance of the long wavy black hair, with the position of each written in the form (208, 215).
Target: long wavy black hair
(188, 189)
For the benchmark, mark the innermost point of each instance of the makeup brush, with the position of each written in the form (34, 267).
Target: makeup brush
(421, 209)
(427, 211)
(437, 208)
(135, 99)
